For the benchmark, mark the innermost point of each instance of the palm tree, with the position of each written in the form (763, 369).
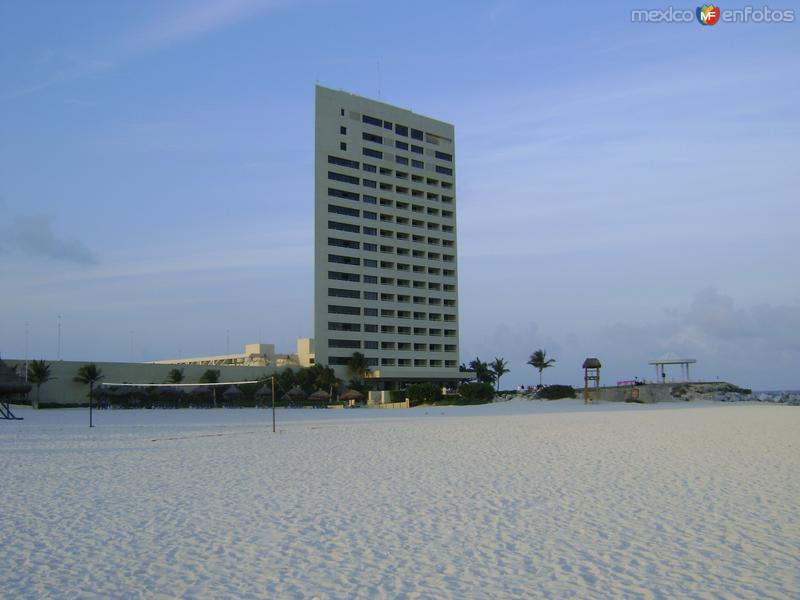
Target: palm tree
(482, 372)
(499, 367)
(175, 376)
(540, 361)
(211, 376)
(89, 374)
(326, 377)
(358, 367)
(38, 373)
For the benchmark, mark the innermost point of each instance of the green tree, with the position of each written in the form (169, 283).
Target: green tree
(211, 376)
(38, 374)
(358, 367)
(482, 372)
(89, 374)
(326, 378)
(176, 376)
(499, 367)
(540, 361)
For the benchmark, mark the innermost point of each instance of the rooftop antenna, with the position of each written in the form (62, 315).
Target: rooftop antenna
(379, 79)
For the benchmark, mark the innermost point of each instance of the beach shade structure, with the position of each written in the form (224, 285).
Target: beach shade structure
(233, 394)
(167, 395)
(591, 372)
(200, 394)
(11, 386)
(320, 397)
(101, 395)
(351, 397)
(264, 393)
(294, 395)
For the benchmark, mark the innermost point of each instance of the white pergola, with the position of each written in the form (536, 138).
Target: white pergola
(661, 363)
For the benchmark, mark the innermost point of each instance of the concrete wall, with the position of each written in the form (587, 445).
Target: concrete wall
(660, 392)
(62, 390)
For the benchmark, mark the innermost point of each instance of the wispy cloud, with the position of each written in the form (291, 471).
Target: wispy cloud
(200, 19)
(166, 29)
(33, 236)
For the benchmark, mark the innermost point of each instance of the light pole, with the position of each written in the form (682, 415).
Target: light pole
(273, 403)
(26, 352)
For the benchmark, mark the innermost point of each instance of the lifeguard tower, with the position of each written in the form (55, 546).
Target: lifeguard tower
(591, 372)
(12, 386)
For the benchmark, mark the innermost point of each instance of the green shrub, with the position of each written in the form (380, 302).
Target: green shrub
(423, 393)
(474, 393)
(554, 392)
(398, 395)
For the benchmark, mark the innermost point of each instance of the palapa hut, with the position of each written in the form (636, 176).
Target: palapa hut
(352, 397)
(294, 396)
(320, 397)
(233, 395)
(200, 394)
(12, 387)
(264, 393)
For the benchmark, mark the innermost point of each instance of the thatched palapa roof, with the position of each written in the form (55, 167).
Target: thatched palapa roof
(352, 394)
(591, 363)
(320, 396)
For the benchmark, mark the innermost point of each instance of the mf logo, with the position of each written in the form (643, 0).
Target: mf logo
(708, 14)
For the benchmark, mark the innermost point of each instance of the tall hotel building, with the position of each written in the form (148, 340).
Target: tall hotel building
(385, 280)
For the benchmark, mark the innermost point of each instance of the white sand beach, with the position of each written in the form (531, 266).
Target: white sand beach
(513, 500)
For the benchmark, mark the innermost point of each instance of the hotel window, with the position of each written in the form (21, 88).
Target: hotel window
(340, 293)
(343, 130)
(371, 137)
(343, 178)
(401, 130)
(372, 153)
(342, 210)
(344, 227)
(344, 344)
(401, 145)
(369, 168)
(343, 162)
(417, 149)
(343, 276)
(343, 243)
(343, 310)
(342, 194)
(334, 326)
(343, 146)
(345, 260)
(416, 134)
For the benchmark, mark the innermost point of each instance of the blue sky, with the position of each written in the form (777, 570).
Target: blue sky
(625, 190)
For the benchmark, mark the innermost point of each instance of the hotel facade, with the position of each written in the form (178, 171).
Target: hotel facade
(386, 268)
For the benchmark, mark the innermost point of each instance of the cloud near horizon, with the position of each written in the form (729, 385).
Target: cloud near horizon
(33, 236)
